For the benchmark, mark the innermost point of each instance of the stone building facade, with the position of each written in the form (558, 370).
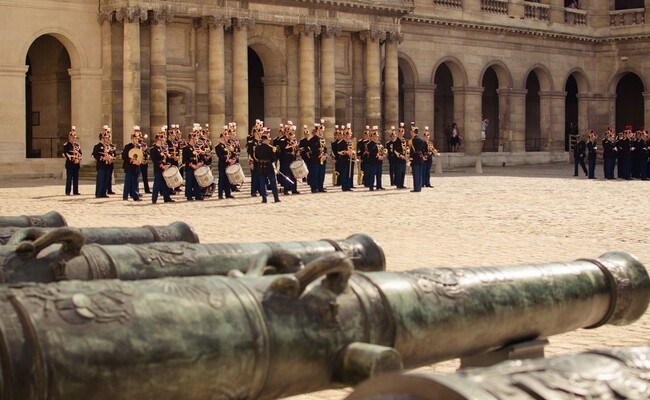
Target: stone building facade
(535, 69)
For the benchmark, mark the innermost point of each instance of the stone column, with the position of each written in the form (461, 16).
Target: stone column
(216, 74)
(240, 28)
(552, 120)
(512, 113)
(159, 20)
(471, 123)
(646, 109)
(293, 76)
(584, 100)
(356, 102)
(328, 79)
(307, 72)
(391, 81)
(202, 74)
(13, 146)
(600, 110)
(106, 19)
(556, 12)
(424, 95)
(86, 112)
(131, 17)
(372, 39)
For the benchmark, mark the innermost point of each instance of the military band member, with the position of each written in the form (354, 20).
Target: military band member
(102, 165)
(192, 162)
(390, 146)
(288, 150)
(131, 165)
(417, 148)
(224, 160)
(579, 153)
(160, 165)
(362, 156)
(233, 142)
(144, 166)
(334, 151)
(174, 152)
(592, 148)
(428, 161)
(264, 156)
(318, 160)
(112, 150)
(374, 161)
(644, 145)
(640, 155)
(400, 149)
(344, 151)
(252, 141)
(72, 154)
(609, 154)
(624, 146)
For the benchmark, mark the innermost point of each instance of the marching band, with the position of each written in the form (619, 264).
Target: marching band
(178, 161)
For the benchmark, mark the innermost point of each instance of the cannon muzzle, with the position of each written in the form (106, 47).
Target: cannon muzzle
(599, 374)
(9, 225)
(74, 258)
(274, 336)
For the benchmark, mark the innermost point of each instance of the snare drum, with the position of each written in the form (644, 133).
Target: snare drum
(172, 177)
(235, 174)
(203, 176)
(299, 169)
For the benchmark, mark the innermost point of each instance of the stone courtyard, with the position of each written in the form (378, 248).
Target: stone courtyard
(511, 215)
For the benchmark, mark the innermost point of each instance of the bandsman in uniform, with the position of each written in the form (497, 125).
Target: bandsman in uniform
(390, 146)
(160, 165)
(131, 165)
(252, 141)
(224, 159)
(639, 156)
(645, 150)
(112, 150)
(592, 150)
(620, 137)
(103, 161)
(625, 149)
(144, 166)
(609, 154)
(362, 157)
(72, 154)
(305, 154)
(430, 151)
(233, 142)
(289, 151)
(334, 146)
(345, 151)
(174, 151)
(579, 153)
(400, 150)
(318, 151)
(376, 154)
(264, 156)
(417, 148)
(192, 161)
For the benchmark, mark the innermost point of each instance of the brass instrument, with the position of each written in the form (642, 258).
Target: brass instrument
(323, 150)
(76, 153)
(381, 151)
(432, 150)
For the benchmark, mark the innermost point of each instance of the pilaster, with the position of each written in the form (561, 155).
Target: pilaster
(159, 21)
(240, 29)
(328, 79)
(106, 20)
(372, 40)
(202, 71)
(391, 81)
(12, 148)
(216, 73)
(472, 101)
(513, 113)
(552, 120)
(307, 72)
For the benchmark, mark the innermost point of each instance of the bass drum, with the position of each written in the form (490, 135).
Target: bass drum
(172, 177)
(235, 174)
(203, 176)
(299, 169)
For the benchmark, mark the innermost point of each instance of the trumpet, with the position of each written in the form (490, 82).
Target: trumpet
(76, 153)
(432, 150)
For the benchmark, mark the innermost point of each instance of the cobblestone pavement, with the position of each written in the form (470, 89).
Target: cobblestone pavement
(511, 215)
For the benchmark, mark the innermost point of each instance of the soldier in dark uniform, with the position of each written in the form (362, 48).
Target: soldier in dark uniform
(620, 137)
(225, 160)
(334, 146)
(343, 162)
(592, 149)
(305, 154)
(112, 150)
(131, 167)
(390, 146)
(609, 154)
(374, 161)
(72, 154)
(264, 156)
(400, 149)
(644, 144)
(579, 153)
(192, 162)
(252, 141)
(174, 150)
(639, 155)
(417, 158)
(288, 151)
(160, 165)
(102, 162)
(625, 149)
(428, 158)
(362, 156)
(318, 153)
(144, 166)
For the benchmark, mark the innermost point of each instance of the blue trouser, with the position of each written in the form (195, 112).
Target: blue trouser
(417, 176)
(426, 173)
(285, 168)
(400, 174)
(391, 171)
(374, 172)
(344, 177)
(321, 176)
(223, 186)
(72, 179)
(159, 187)
(108, 176)
(130, 185)
(192, 188)
(608, 168)
(592, 168)
(580, 161)
(144, 171)
(262, 185)
(101, 186)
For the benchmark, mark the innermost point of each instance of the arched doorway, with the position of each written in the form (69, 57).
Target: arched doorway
(255, 88)
(533, 129)
(443, 111)
(629, 102)
(490, 109)
(48, 98)
(570, 111)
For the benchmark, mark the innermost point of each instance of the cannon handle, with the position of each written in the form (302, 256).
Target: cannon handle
(337, 268)
(71, 240)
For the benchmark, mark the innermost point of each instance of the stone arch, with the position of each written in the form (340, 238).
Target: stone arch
(408, 78)
(78, 57)
(621, 72)
(501, 70)
(274, 64)
(272, 56)
(629, 86)
(543, 75)
(581, 78)
(458, 73)
(575, 116)
(408, 68)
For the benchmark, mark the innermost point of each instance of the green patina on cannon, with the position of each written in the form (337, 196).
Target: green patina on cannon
(9, 225)
(267, 337)
(600, 374)
(62, 254)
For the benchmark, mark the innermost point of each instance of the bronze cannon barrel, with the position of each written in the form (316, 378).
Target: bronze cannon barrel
(598, 374)
(9, 225)
(274, 336)
(40, 261)
(175, 232)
